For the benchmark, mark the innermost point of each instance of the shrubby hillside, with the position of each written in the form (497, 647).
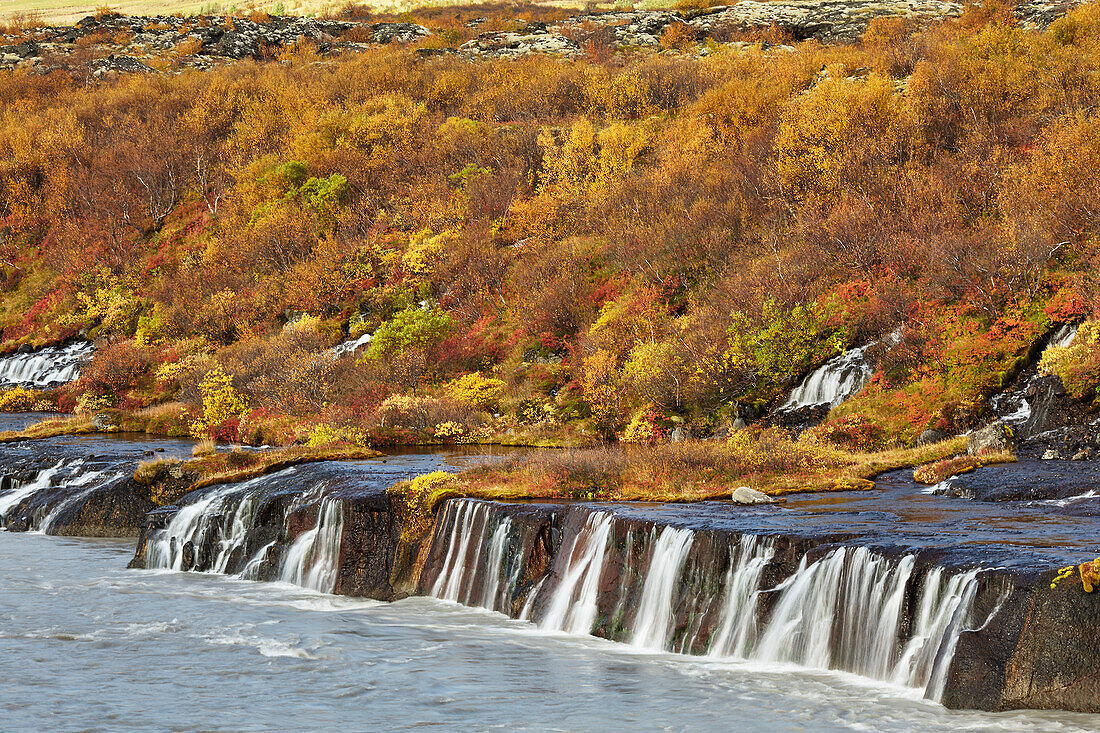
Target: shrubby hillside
(560, 248)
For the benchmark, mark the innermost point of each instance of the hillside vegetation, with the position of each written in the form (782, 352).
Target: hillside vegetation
(554, 250)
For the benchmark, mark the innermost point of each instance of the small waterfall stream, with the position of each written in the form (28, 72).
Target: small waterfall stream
(661, 584)
(572, 607)
(313, 560)
(832, 382)
(15, 496)
(48, 367)
(223, 532)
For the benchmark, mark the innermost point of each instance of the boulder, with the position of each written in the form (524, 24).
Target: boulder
(932, 436)
(103, 421)
(993, 437)
(745, 495)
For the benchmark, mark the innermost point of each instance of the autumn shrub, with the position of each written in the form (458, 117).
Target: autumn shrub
(1078, 365)
(323, 434)
(482, 393)
(417, 501)
(116, 368)
(222, 406)
(644, 427)
(259, 426)
(679, 36)
(933, 473)
(852, 432)
(19, 399)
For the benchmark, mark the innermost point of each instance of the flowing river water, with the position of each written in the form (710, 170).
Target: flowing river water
(88, 646)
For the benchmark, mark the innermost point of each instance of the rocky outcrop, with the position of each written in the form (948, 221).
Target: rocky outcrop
(124, 41)
(993, 437)
(1027, 480)
(132, 38)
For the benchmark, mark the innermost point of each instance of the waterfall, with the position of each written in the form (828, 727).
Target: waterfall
(472, 537)
(572, 607)
(737, 627)
(853, 610)
(86, 485)
(832, 382)
(313, 560)
(213, 533)
(842, 612)
(653, 623)
(1064, 335)
(350, 346)
(468, 521)
(16, 495)
(46, 367)
(193, 523)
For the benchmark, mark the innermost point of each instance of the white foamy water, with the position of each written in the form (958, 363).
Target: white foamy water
(46, 367)
(86, 645)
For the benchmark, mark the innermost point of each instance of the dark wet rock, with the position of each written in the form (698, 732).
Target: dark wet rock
(77, 492)
(993, 437)
(1024, 481)
(23, 50)
(800, 419)
(1040, 651)
(188, 553)
(932, 436)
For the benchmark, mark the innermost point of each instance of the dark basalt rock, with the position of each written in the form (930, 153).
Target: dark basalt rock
(1025, 481)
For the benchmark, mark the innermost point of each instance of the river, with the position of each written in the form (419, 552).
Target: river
(88, 646)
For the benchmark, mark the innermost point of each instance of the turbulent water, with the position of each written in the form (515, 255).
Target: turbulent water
(85, 645)
(46, 367)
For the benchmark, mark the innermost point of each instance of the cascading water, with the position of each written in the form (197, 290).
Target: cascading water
(837, 379)
(85, 486)
(15, 496)
(737, 627)
(475, 534)
(572, 607)
(934, 622)
(832, 382)
(1014, 406)
(214, 532)
(848, 611)
(350, 346)
(313, 560)
(165, 548)
(46, 367)
(653, 623)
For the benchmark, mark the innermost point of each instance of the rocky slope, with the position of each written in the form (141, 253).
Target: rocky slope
(116, 43)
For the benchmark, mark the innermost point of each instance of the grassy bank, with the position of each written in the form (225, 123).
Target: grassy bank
(768, 461)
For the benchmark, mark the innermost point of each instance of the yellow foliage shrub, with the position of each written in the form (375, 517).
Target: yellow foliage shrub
(477, 391)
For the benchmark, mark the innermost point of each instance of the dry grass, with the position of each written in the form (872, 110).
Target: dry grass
(695, 470)
(205, 447)
(237, 466)
(933, 473)
(54, 426)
